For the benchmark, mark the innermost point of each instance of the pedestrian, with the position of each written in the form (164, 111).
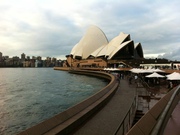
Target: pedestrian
(171, 85)
(130, 79)
(135, 78)
(118, 77)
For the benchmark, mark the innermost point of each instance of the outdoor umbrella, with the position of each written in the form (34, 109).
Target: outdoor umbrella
(173, 76)
(158, 70)
(146, 71)
(155, 75)
(136, 70)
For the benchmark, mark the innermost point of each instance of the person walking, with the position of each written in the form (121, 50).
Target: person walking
(118, 77)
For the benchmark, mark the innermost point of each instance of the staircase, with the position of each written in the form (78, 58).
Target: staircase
(138, 115)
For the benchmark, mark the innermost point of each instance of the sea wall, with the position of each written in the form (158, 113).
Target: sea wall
(62, 68)
(67, 121)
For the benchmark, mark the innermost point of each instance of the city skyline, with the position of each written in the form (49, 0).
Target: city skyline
(31, 57)
(28, 61)
(52, 28)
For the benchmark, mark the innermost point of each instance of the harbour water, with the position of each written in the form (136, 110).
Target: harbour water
(31, 95)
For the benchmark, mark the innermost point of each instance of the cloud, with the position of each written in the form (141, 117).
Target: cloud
(173, 55)
(53, 27)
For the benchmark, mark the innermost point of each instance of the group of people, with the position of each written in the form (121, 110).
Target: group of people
(119, 76)
(131, 78)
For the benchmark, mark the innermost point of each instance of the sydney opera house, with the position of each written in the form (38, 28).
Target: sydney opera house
(94, 50)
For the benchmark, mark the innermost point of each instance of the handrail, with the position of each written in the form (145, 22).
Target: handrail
(122, 124)
(164, 117)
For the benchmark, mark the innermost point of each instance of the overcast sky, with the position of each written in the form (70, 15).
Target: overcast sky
(52, 27)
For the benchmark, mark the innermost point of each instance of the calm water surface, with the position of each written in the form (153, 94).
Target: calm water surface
(31, 95)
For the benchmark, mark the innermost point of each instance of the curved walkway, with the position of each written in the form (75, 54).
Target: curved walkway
(107, 120)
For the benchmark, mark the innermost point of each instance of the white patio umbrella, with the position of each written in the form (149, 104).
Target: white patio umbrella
(111, 69)
(108, 69)
(158, 70)
(155, 75)
(135, 70)
(116, 69)
(173, 76)
(105, 69)
(146, 71)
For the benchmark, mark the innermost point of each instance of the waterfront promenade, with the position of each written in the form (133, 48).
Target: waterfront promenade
(107, 120)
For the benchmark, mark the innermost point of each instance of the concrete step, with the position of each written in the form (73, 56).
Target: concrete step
(138, 115)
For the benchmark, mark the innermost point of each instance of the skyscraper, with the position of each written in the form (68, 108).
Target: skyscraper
(0, 56)
(23, 57)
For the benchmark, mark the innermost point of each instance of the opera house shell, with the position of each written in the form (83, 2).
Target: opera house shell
(95, 45)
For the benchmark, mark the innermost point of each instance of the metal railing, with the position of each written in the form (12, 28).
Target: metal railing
(126, 123)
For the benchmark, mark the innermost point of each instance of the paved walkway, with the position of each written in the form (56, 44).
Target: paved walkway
(106, 121)
(173, 125)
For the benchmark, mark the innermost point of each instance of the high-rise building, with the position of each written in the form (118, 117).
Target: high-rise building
(0, 56)
(23, 57)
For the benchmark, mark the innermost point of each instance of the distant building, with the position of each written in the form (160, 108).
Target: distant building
(1, 58)
(28, 57)
(9, 62)
(48, 62)
(6, 57)
(15, 61)
(38, 58)
(23, 57)
(33, 57)
(26, 64)
(38, 63)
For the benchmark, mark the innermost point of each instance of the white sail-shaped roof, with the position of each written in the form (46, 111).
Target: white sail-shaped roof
(91, 41)
(98, 53)
(111, 47)
(115, 43)
(138, 49)
(94, 43)
(136, 45)
(119, 48)
(103, 52)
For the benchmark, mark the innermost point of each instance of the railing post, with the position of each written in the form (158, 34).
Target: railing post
(129, 118)
(123, 127)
